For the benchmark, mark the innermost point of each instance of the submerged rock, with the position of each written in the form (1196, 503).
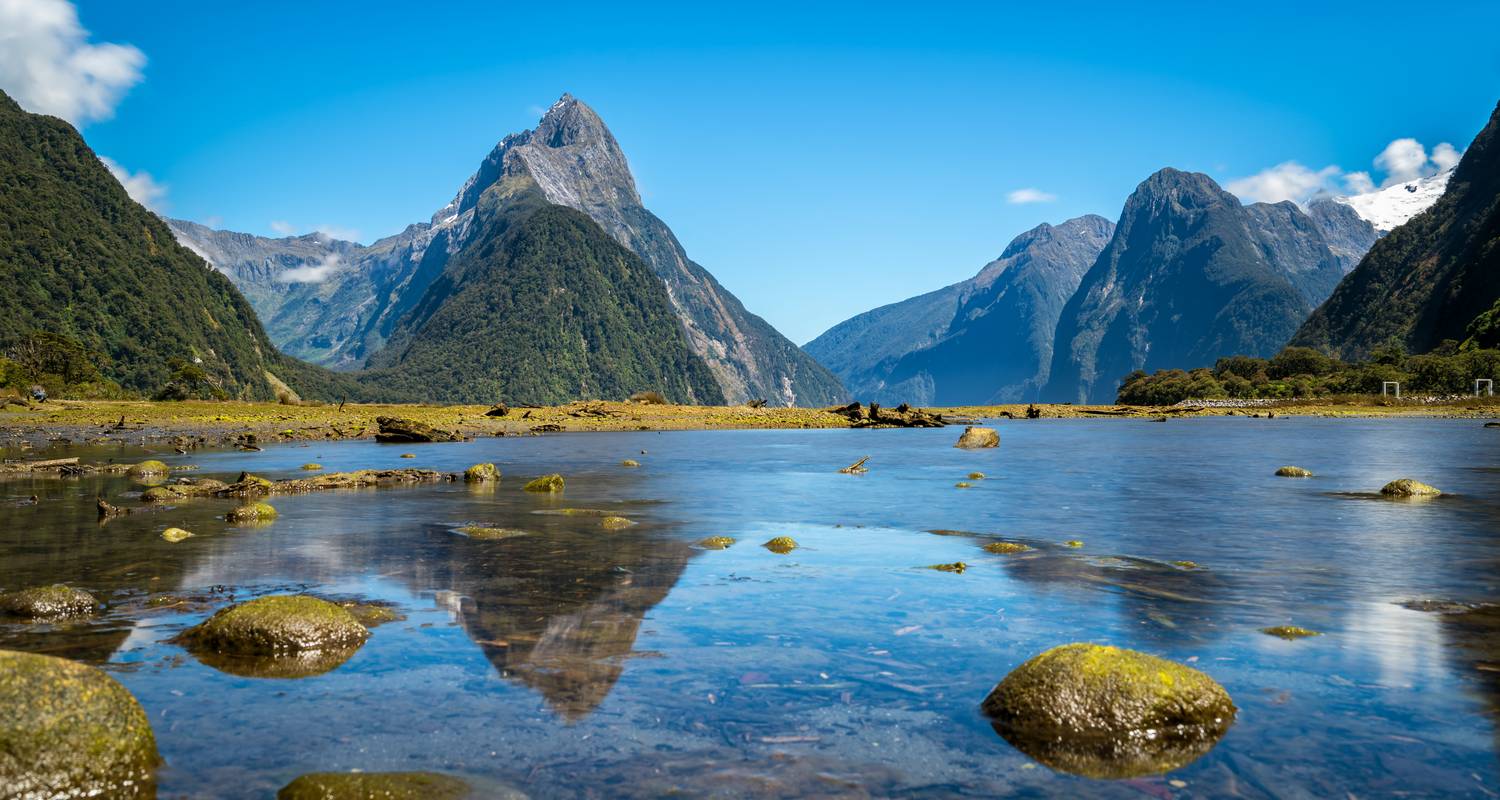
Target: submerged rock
(388, 786)
(490, 534)
(161, 494)
(957, 566)
(148, 468)
(613, 523)
(175, 535)
(278, 625)
(482, 473)
(47, 602)
(976, 476)
(974, 438)
(962, 485)
(400, 429)
(1293, 472)
(781, 545)
(716, 542)
(1074, 543)
(1406, 487)
(252, 512)
(630, 462)
(1005, 548)
(312, 466)
(70, 730)
(547, 483)
(1289, 632)
(1107, 712)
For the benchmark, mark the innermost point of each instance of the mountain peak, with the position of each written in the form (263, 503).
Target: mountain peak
(570, 121)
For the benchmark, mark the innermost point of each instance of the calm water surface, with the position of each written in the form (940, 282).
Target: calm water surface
(576, 662)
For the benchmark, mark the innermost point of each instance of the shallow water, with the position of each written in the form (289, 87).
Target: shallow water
(575, 661)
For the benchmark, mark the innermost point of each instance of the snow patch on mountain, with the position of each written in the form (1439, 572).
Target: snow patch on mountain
(1392, 206)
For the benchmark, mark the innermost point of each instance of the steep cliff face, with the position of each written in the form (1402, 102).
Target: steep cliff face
(1190, 275)
(575, 161)
(1434, 278)
(572, 160)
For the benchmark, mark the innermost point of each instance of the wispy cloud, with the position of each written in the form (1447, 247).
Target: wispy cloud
(141, 187)
(282, 227)
(1402, 160)
(48, 65)
(325, 231)
(311, 273)
(1029, 195)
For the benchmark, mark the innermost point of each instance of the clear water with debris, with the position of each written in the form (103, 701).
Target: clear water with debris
(580, 662)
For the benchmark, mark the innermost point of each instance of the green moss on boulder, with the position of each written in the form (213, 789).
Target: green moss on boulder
(252, 512)
(613, 523)
(1289, 632)
(482, 473)
(716, 542)
(175, 535)
(1293, 472)
(161, 494)
(546, 484)
(148, 468)
(69, 730)
(1005, 548)
(312, 466)
(1107, 712)
(276, 625)
(47, 602)
(379, 786)
(781, 545)
(957, 566)
(1406, 487)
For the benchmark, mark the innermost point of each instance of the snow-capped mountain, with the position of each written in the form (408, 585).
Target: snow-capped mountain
(1394, 205)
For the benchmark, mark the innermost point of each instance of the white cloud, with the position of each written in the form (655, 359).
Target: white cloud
(325, 231)
(311, 273)
(1445, 156)
(1029, 195)
(141, 187)
(1402, 160)
(48, 65)
(1285, 181)
(283, 227)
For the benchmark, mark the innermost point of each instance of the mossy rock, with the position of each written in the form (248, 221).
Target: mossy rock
(48, 602)
(482, 473)
(70, 730)
(1005, 548)
(1107, 712)
(781, 545)
(1074, 543)
(976, 476)
(613, 523)
(385, 786)
(1293, 472)
(1289, 632)
(486, 533)
(573, 512)
(373, 615)
(278, 625)
(957, 566)
(975, 438)
(716, 542)
(546, 484)
(630, 462)
(962, 485)
(175, 535)
(150, 467)
(252, 512)
(312, 466)
(408, 455)
(1186, 564)
(1406, 487)
(161, 494)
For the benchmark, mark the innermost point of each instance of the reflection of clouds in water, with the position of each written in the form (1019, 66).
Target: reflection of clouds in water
(1407, 646)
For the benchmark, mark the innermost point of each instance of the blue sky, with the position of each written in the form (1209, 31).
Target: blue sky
(820, 160)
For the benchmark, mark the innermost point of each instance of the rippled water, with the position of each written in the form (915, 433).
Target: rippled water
(575, 661)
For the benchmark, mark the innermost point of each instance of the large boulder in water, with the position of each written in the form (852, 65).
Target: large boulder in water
(1107, 712)
(1406, 487)
(975, 437)
(277, 625)
(400, 429)
(70, 730)
(47, 602)
(482, 473)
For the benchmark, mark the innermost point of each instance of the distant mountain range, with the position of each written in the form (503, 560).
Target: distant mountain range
(985, 339)
(1434, 278)
(338, 303)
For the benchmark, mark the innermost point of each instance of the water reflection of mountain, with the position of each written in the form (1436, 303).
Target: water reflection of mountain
(561, 612)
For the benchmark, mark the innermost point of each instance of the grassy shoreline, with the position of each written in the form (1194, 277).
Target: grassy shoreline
(98, 420)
